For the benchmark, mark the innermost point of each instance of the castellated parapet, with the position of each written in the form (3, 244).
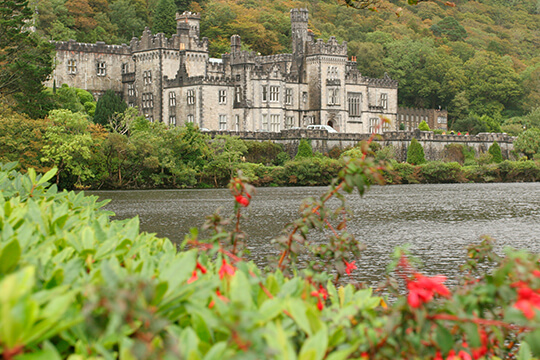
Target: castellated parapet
(332, 47)
(98, 47)
(385, 82)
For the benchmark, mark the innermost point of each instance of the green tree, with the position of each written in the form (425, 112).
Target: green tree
(25, 60)
(528, 142)
(124, 16)
(493, 83)
(226, 153)
(304, 149)
(164, 17)
(415, 153)
(107, 106)
(495, 152)
(423, 126)
(450, 28)
(68, 145)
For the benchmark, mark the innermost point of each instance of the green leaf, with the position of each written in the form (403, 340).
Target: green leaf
(47, 176)
(297, 308)
(473, 338)
(532, 340)
(9, 257)
(524, 351)
(314, 348)
(49, 352)
(444, 338)
(217, 351)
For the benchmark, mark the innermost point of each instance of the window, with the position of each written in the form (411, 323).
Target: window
(333, 96)
(222, 97)
(125, 68)
(441, 120)
(147, 77)
(373, 123)
(289, 122)
(236, 123)
(130, 104)
(238, 94)
(101, 68)
(274, 93)
(147, 100)
(265, 93)
(274, 123)
(190, 118)
(191, 97)
(150, 118)
(264, 122)
(172, 120)
(304, 97)
(222, 122)
(333, 73)
(384, 101)
(288, 96)
(172, 98)
(131, 90)
(72, 66)
(355, 103)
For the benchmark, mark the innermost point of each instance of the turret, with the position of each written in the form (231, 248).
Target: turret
(235, 44)
(192, 19)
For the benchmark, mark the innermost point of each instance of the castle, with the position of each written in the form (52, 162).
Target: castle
(175, 81)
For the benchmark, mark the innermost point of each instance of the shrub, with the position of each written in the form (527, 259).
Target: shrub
(495, 151)
(423, 126)
(441, 172)
(415, 153)
(304, 149)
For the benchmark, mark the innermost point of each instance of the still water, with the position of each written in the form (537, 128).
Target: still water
(437, 221)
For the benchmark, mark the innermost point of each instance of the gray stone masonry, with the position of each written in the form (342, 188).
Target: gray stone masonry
(434, 145)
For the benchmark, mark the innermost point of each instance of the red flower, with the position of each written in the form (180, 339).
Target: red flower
(423, 288)
(226, 269)
(320, 293)
(220, 297)
(349, 267)
(536, 273)
(527, 301)
(242, 200)
(201, 268)
(193, 277)
(462, 355)
(320, 305)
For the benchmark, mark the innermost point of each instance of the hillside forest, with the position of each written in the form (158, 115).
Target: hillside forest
(478, 59)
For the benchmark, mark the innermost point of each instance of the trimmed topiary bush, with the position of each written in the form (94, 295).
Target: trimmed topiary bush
(495, 151)
(415, 153)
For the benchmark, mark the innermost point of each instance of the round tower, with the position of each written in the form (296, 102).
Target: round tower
(192, 19)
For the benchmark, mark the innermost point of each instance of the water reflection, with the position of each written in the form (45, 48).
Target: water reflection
(438, 221)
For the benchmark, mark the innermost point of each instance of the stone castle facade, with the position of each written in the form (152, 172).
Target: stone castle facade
(175, 81)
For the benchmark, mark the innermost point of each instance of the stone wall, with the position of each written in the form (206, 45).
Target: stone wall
(434, 145)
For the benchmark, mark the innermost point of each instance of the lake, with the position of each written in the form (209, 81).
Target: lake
(438, 221)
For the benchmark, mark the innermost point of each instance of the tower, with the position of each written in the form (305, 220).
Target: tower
(192, 19)
(299, 30)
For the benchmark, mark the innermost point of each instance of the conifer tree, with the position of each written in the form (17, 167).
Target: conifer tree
(165, 17)
(415, 153)
(304, 150)
(108, 105)
(495, 151)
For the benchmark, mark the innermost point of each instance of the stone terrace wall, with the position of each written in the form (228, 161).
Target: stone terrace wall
(434, 145)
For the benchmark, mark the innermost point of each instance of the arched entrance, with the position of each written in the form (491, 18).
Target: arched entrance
(330, 123)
